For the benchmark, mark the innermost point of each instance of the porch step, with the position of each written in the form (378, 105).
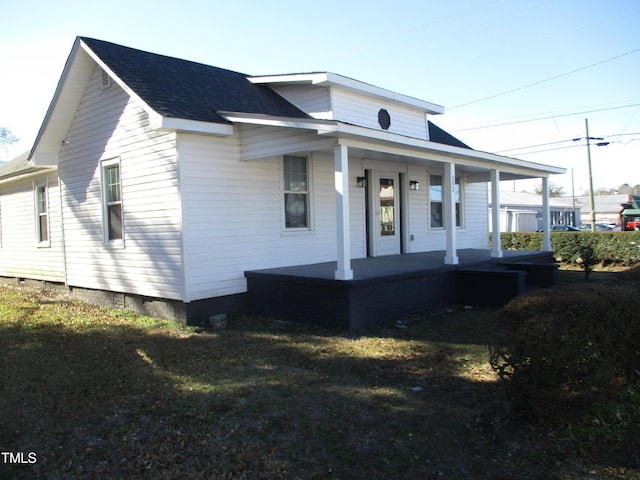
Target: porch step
(488, 286)
(540, 274)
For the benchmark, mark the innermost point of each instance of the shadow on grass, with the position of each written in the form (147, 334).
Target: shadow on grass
(112, 400)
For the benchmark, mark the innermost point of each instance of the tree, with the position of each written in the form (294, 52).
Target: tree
(554, 190)
(624, 188)
(6, 139)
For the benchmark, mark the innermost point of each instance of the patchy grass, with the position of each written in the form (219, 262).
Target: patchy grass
(96, 393)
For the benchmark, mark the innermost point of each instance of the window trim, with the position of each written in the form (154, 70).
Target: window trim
(309, 197)
(460, 218)
(43, 186)
(107, 240)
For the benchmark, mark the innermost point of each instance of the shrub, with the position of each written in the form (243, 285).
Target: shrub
(567, 344)
(608, 248)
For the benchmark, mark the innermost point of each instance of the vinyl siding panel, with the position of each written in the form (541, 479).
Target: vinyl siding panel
(314, 101)
(475, 227)
(347, 106)
(263, 142)
(350, 107)
(21, 255)
(233, 215)
(110, 125)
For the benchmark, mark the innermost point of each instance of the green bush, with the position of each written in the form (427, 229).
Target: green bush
(606, 248)
(566, 344)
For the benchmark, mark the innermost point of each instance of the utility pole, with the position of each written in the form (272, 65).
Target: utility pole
(591, 199)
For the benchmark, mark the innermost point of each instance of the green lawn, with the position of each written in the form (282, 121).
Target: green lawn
(94, 393)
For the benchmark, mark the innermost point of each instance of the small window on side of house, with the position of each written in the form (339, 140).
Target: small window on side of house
(296, 192)
(436, 201)
(42, 214)
(112, 195)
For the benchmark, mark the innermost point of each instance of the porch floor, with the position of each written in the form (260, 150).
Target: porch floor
(391, 265)
(389, 288)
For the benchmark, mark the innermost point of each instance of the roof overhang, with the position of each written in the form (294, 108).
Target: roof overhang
(630, 212)
(26, 174)
(19, 169)
(328, 79)
(382, 145)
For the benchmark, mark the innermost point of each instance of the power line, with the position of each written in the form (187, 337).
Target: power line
(546, 79)
(563, 141)
(532, 146)
(546, 118)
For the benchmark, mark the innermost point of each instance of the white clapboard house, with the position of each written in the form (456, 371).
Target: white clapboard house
(166, 185)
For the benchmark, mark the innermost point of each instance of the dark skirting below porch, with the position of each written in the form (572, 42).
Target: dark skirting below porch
(385, 289)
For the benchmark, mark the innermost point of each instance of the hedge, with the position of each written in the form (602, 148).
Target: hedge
(607, 248)
(560, 345)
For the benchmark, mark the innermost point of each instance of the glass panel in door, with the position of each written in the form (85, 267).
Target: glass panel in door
(387, 207)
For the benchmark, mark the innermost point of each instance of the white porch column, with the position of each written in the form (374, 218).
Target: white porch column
(449, 207)
(341, 160)
(496, 250)
(546, 224)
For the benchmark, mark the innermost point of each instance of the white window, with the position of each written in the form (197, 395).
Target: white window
(296, 192)
(42, 214)
(436, 201)
(112, 211)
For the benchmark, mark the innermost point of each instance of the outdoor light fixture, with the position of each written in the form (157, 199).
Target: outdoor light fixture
(362, 182)
(414, 185)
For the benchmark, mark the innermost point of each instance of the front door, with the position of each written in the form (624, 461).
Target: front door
(385, 221)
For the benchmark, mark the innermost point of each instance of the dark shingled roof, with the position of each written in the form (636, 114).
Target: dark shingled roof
(178, 88)
(438, 135)
(183, 89)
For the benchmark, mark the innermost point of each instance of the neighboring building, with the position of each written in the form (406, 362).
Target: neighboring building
(607, 207)
(156, 182)
(630, 213)
(523, 212)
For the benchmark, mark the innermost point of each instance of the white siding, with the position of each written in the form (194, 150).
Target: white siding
(475, 227)
(312, 100)
(350, 107)
(21, 255)
(347, 106)
(262, 142)
(108, 124)
(233, 217)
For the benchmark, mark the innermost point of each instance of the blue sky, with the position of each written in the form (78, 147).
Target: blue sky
(510, 73)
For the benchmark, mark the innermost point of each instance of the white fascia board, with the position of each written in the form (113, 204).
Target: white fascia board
(328, 79)
(276, 121)
(27, 174)
(427, 150)
(158, 122)
(66, 97)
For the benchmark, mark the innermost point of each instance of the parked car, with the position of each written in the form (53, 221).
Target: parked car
(600, 227)
(562, 228)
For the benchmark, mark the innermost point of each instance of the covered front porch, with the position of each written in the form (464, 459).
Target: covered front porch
(388, 288)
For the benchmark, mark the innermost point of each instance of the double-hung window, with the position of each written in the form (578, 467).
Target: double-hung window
(436, 201)
(42, 214)
(112, 201)
(296, 192)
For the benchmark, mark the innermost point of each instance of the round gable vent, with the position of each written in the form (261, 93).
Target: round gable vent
(384, 119)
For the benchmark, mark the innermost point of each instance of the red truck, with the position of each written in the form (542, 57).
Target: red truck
(633, 225)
